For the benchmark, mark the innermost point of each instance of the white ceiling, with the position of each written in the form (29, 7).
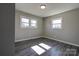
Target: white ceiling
(51, 8)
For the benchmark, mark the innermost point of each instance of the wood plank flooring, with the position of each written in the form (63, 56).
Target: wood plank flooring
(57, 48)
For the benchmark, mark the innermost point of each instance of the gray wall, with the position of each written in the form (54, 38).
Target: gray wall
(7, 29)
(68, 33)
(70, 27)
(27, 33)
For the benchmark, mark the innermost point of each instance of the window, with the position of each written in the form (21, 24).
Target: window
(56, 24)
(24, 22)
(33, 23)
(28, 23)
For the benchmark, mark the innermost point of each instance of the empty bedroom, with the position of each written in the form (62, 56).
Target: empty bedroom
(46, 29)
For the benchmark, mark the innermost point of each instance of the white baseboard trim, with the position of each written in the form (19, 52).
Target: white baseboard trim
(63, 41)
(18, 40)
(48, 38)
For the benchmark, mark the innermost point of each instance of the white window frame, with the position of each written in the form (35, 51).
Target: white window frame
(57, 23)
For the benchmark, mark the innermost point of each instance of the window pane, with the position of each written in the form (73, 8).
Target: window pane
(33, 21)
(56, 25)
(56, 21)
(24, 25)
(25, 20)
(33, 25)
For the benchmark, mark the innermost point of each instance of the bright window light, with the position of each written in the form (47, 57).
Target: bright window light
(24, 22)
(57, 23)
(33, 23)
(24, 25)
(38, 49)
(45, 46)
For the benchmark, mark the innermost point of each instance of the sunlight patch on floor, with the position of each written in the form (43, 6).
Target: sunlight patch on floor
(38, 49)
(47, 47)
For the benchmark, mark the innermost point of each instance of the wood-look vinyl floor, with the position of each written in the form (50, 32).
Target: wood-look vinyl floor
(57, 48)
